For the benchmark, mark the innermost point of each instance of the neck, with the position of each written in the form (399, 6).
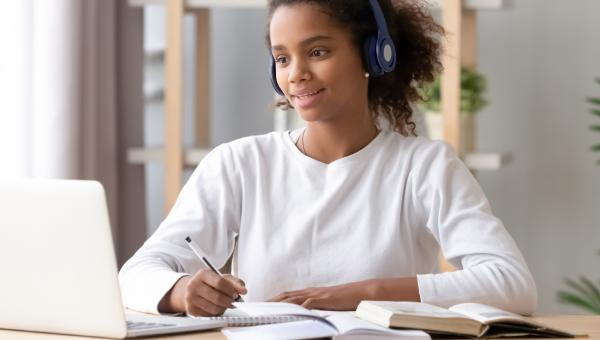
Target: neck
(329, 141)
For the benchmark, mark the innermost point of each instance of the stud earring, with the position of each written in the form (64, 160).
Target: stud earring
(367, 75)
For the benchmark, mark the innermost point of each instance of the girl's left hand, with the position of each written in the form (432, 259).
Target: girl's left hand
(341, 297)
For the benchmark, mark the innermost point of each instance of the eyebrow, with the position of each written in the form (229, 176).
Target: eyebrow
(305, 42)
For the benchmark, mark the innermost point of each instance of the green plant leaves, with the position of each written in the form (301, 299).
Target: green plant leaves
(595, 111)
(584, 293)
(595, 101)
(472, 88)
(575, 300)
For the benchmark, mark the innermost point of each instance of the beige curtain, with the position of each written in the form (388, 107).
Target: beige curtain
(67, 102)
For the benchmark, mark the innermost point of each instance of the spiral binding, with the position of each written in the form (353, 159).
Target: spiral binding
(241, 321)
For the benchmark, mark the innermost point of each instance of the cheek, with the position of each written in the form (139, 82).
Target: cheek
(281, 77)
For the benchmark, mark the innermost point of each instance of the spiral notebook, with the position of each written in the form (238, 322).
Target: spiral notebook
(240, 317)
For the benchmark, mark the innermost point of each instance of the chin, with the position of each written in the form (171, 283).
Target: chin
(313, 115)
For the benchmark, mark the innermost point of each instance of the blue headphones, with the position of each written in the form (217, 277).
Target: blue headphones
(378, 50)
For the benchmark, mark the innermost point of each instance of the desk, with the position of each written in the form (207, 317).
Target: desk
(588, 324)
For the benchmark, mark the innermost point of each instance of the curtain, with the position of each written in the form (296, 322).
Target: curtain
(61, 93)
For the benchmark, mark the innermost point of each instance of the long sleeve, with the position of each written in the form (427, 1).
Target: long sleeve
(208, 210)
(490, 267)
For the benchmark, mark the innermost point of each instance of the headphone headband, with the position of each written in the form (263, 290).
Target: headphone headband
(379, 18)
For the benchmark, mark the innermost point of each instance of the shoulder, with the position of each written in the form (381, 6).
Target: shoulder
(258, 146)
(251, 149)
(417, 150)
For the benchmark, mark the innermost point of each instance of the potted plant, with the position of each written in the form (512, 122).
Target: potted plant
(595, 110)
(583, 294)
(472, 90)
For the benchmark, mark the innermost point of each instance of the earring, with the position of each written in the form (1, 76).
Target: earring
(367, 75)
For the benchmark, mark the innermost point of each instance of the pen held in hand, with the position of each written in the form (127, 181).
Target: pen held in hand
(198, 253)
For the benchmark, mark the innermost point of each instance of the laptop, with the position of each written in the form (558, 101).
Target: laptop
(59, 272)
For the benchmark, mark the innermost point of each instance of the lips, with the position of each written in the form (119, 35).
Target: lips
(306, 94)
(306, 99)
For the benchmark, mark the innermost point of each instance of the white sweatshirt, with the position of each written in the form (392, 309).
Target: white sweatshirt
(381, 212)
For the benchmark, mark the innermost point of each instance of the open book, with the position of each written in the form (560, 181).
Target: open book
(311, 324)
(472, 319)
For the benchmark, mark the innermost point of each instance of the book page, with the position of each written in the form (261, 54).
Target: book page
(416, 308)
(350, 324)
(273, 308)
(488, 314)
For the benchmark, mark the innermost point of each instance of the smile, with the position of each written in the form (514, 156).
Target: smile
(308, 95)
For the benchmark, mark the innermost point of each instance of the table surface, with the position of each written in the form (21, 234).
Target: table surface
(578, 324)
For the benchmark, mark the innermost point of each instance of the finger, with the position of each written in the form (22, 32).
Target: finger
(221, 284)
(201, 304)
(298, 300)
(195, 311)
(314, 303)
(215, 296)
(281, 297)
(239, 283)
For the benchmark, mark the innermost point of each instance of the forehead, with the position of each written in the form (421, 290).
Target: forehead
(292, 24)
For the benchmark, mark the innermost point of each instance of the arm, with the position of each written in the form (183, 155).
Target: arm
(348, 296)
(208, 210)
(491, 269)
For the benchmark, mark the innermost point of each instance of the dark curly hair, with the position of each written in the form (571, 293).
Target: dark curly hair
(418, 51)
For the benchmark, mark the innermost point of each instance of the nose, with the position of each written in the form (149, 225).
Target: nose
(298, 71)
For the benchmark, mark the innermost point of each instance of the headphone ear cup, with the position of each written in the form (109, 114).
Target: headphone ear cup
(386, 56)
(371, 58)
(273, 76)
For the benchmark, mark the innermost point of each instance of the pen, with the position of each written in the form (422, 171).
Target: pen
(198, 253)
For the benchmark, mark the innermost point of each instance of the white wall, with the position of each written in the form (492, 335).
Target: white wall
(540, 58)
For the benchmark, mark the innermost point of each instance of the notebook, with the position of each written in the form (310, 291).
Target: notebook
(237, 318)
(309, 324)
(59, 272)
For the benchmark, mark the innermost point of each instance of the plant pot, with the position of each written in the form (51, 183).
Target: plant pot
(435, 129)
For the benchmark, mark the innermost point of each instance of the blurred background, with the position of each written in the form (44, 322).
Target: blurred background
(84, 92)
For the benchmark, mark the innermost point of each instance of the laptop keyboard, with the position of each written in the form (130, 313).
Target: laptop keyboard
(137, 325)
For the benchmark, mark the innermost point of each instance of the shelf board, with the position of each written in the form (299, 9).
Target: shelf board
(142, 156)
(486, 161)
(436, 4)
(154, 92)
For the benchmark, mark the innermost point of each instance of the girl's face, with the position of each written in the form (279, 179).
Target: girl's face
(318, 66)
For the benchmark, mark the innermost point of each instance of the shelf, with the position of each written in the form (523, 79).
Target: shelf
(436, 4)
(142, 156)
(154, 52)
(486, 161)
(154, 92)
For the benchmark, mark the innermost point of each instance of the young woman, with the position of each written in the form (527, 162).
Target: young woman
(354, 206)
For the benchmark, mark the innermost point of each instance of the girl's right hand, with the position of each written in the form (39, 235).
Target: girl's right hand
(204, 294)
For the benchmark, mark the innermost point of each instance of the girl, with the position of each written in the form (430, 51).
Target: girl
(354, 206)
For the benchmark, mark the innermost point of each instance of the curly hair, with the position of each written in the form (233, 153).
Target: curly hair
(418, 52)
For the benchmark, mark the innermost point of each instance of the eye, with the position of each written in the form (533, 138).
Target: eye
(281, 60)
(318, 52)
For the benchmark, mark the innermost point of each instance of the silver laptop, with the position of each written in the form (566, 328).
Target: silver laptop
(57, 260)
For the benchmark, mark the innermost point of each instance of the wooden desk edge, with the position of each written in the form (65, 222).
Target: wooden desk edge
(578, 324)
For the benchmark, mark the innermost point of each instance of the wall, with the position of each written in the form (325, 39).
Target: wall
(540, 57)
